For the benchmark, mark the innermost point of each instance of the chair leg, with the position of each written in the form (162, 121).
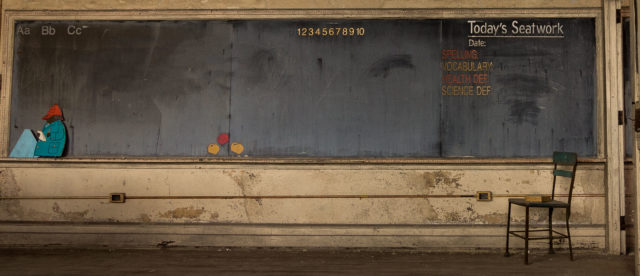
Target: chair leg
(551, 251)
(526, 237)
(506, 250)
(569, 236)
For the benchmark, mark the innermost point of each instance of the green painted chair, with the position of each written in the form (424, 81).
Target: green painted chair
(564, 165)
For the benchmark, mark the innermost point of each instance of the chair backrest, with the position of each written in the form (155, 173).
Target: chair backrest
(561, 162)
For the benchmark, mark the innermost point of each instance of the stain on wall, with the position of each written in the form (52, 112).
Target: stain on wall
(145, 218)
(440, 180)
(10, 188)
(74, 216)
(184, 213)
(246, 182)
(221, 180)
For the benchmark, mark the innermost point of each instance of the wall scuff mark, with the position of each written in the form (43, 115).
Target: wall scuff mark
(8, 188)
(186, 212)
(246, 181)
(442, 180)
(69, 216)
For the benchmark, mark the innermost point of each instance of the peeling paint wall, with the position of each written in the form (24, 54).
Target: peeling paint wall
(289, 181)
(296, 180)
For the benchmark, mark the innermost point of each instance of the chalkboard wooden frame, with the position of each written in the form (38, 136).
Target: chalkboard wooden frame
(14, 16)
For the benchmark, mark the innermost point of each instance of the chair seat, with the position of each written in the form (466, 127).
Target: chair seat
(547, 204)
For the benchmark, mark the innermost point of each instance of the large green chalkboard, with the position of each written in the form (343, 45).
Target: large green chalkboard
(325, 88)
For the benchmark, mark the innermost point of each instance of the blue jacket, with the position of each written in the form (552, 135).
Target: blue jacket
(56, 138)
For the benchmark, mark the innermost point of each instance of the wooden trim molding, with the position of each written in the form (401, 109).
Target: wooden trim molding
(293, 4)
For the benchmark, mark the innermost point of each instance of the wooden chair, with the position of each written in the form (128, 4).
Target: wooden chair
(560, 160)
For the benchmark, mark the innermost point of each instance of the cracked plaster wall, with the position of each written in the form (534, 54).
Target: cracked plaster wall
(289, 181)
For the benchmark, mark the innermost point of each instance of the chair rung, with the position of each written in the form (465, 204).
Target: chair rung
(533, 230)
(561, 234)
(546, 238)
(553, 237)
(515, 234)
(539, 230)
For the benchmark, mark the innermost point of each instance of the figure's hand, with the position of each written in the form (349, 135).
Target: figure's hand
(41, 136)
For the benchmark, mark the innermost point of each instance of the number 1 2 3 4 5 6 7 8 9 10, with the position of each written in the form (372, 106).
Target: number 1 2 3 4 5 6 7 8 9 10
(331, 31)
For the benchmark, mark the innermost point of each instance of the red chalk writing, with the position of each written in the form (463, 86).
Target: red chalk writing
(464, 73)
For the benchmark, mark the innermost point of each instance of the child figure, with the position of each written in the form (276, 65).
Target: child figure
(50, 141)
(53, 136)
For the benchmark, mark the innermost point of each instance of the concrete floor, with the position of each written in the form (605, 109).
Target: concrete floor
(296, 261)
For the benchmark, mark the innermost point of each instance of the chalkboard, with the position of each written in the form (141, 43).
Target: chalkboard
(542, 85)
(365, 95)
(125, 88)
(320, 88)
